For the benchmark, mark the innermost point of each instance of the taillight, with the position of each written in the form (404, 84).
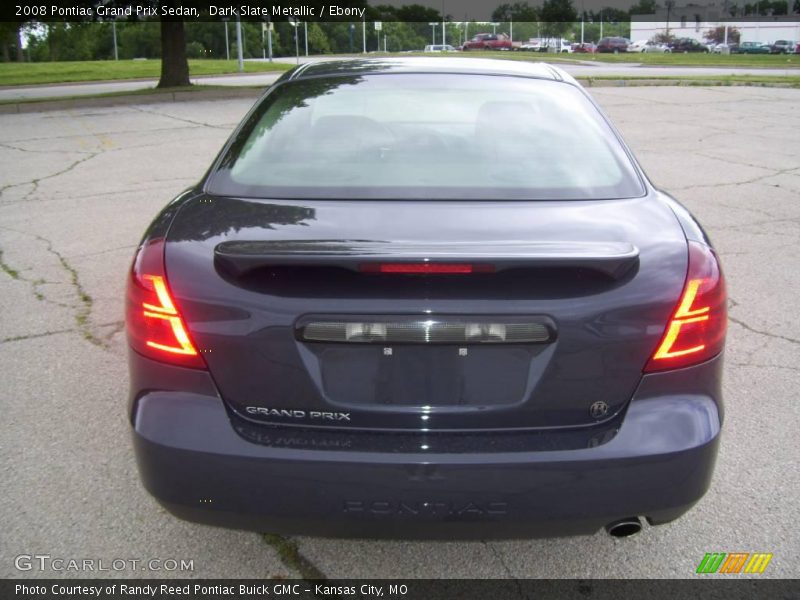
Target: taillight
(154, 323)
(696, 330)
(426, 268)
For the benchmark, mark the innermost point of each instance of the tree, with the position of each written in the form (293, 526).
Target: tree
(317, 40)
(416, 13)
(174, 64)
(644, 7)
(663, 37)
(11, 38)
(717, 35)
(518, 12)
(558, 16)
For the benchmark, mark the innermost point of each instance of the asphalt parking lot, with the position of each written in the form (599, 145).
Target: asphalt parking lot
(78, 188)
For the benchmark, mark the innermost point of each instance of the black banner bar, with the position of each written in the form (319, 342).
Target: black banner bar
(705, 587)
(482, 11)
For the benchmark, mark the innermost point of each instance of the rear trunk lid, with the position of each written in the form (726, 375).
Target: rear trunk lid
(545, 319)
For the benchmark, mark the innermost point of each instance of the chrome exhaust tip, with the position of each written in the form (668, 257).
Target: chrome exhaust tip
(624, 527)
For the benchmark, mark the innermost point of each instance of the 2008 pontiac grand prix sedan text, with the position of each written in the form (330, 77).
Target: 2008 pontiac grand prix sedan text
(426, 298)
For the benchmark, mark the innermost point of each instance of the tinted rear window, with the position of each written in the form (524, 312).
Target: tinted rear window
(426, 136)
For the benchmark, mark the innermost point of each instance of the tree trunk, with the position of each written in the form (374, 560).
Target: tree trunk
(174, 66)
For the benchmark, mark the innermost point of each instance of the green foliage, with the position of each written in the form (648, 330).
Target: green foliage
(136, 39)
(195, 50)
(558, 16)
(416, 13)
(766, 7)
(317, 40)
(644, 7)
(519, 11)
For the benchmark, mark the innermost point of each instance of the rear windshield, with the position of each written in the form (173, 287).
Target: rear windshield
(426, 136)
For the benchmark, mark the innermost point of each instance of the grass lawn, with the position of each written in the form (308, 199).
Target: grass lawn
(703, 80)
(775, 61)
(148, 92)
(60, 72)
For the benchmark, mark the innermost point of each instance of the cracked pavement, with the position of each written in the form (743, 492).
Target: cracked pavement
(78, 188)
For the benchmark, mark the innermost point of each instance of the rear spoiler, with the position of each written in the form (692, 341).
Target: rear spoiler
(611, 258)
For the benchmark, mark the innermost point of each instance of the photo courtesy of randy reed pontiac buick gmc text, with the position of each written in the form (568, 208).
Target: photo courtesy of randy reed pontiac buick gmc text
(202, 590)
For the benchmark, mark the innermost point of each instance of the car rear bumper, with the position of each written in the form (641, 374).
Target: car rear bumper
(203, 465)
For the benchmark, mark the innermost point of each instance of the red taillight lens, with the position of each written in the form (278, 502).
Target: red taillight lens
(426, 268)
(696, 331)
(154, 323)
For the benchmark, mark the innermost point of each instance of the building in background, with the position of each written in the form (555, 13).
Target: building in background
(692, 21)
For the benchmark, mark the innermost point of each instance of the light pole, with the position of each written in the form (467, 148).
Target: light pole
(269, 38)
(433, 32)
(305, 34)
(583, 18)
(364, 34)
(263, 41)
(444, 27)
(601, 22)
(295, 25)
(669, 4)
(239, 44)
(114, 33)
(227, 44)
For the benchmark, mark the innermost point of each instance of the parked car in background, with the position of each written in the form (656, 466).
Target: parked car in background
(723, 48)
(613, 44)
(687, 45)
(439, 48)
(753, 48)
(653, 48)
(489, 41)
(638, 46)
(585, 48)
(782, 47)
(532, 45)
(561, 45)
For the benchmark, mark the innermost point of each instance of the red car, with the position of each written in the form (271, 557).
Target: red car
(488, 41)
(587, 48)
